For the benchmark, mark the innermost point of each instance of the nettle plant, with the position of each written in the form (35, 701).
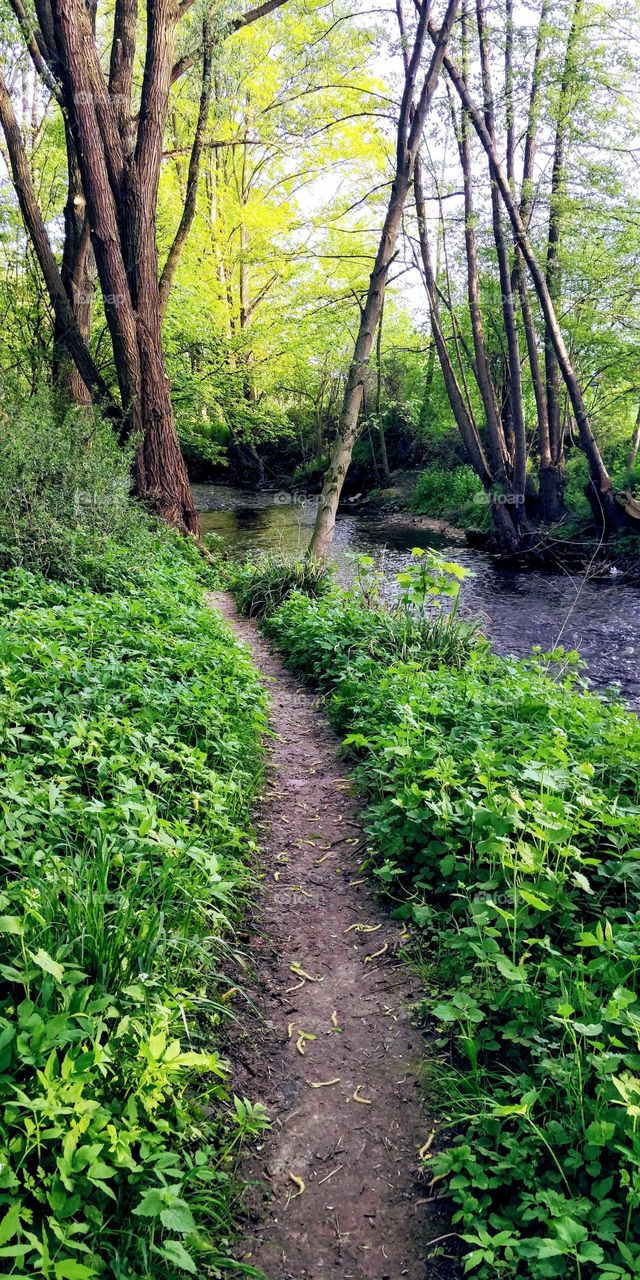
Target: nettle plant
(430, 580)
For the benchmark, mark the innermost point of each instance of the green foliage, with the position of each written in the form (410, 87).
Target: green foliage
(260, 585)
(504, 815)
(130, 730)
(65, 506)
(129, 753)
(455, 494)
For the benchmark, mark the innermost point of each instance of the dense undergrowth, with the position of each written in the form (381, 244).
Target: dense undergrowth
(503, 814)
(130, 725)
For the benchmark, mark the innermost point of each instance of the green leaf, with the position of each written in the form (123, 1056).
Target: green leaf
(11, 924)
(582, 881)
(151, 1204)
(47, 963)
(534, 900)
(68, 1269)
(178, 1217)
(175, 1252)
(10, 1223)
(509, 970)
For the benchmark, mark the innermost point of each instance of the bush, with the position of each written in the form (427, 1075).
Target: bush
(504, 816)
(455, 495)
(65, 505)
(260, 585)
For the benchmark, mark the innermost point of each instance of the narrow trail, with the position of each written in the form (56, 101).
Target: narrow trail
(353, 1143)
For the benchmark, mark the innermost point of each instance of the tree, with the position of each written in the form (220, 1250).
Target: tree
(118, 151)
(411, 122)
(600, 489)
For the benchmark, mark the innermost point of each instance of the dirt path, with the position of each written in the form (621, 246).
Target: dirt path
(353, 1143)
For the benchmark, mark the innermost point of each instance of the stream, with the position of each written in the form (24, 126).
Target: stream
(519, 608)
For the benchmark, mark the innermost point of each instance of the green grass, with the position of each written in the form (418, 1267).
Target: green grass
(503, 818)
(261, 584)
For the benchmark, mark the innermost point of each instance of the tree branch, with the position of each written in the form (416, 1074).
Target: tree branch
(34, 223)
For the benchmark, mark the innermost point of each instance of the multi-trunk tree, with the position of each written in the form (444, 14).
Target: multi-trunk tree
(114, 138)
(516, 388)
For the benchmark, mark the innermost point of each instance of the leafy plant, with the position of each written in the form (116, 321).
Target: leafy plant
(503, 813)
(131, 728)
(454, 494)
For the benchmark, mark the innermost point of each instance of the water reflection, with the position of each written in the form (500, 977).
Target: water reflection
(519, 608)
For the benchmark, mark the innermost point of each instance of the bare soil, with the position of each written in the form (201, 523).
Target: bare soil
(329, 1047)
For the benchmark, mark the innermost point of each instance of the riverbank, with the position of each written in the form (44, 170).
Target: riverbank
(502, 825)
(573, 545)
(520, 606)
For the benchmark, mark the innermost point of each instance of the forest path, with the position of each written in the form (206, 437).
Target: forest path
(354, 1141)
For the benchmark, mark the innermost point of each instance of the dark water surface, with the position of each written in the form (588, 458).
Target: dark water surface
(519, 608)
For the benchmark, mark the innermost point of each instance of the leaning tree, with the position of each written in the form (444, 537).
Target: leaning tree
(417, 96)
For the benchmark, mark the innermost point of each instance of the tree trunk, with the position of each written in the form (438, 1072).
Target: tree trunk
(514, 380)
(77, 272)
(121, 188)
(36, 229)
(410, 127)
(384, 460)
(553, 482)
(600, 488)
(551, 477)
(465, 422)
(497, 443)
(635, 444)
(508, 536)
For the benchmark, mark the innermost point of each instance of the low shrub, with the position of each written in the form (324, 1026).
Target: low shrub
(65, 505)
(456, 495)
(503, 816)
(260, 585)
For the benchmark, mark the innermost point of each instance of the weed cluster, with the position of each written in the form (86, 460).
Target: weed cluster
(260, 585)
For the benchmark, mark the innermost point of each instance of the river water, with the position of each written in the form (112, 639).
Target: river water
(519, 608)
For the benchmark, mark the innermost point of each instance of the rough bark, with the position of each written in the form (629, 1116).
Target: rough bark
(77, 271)
(411, 124)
